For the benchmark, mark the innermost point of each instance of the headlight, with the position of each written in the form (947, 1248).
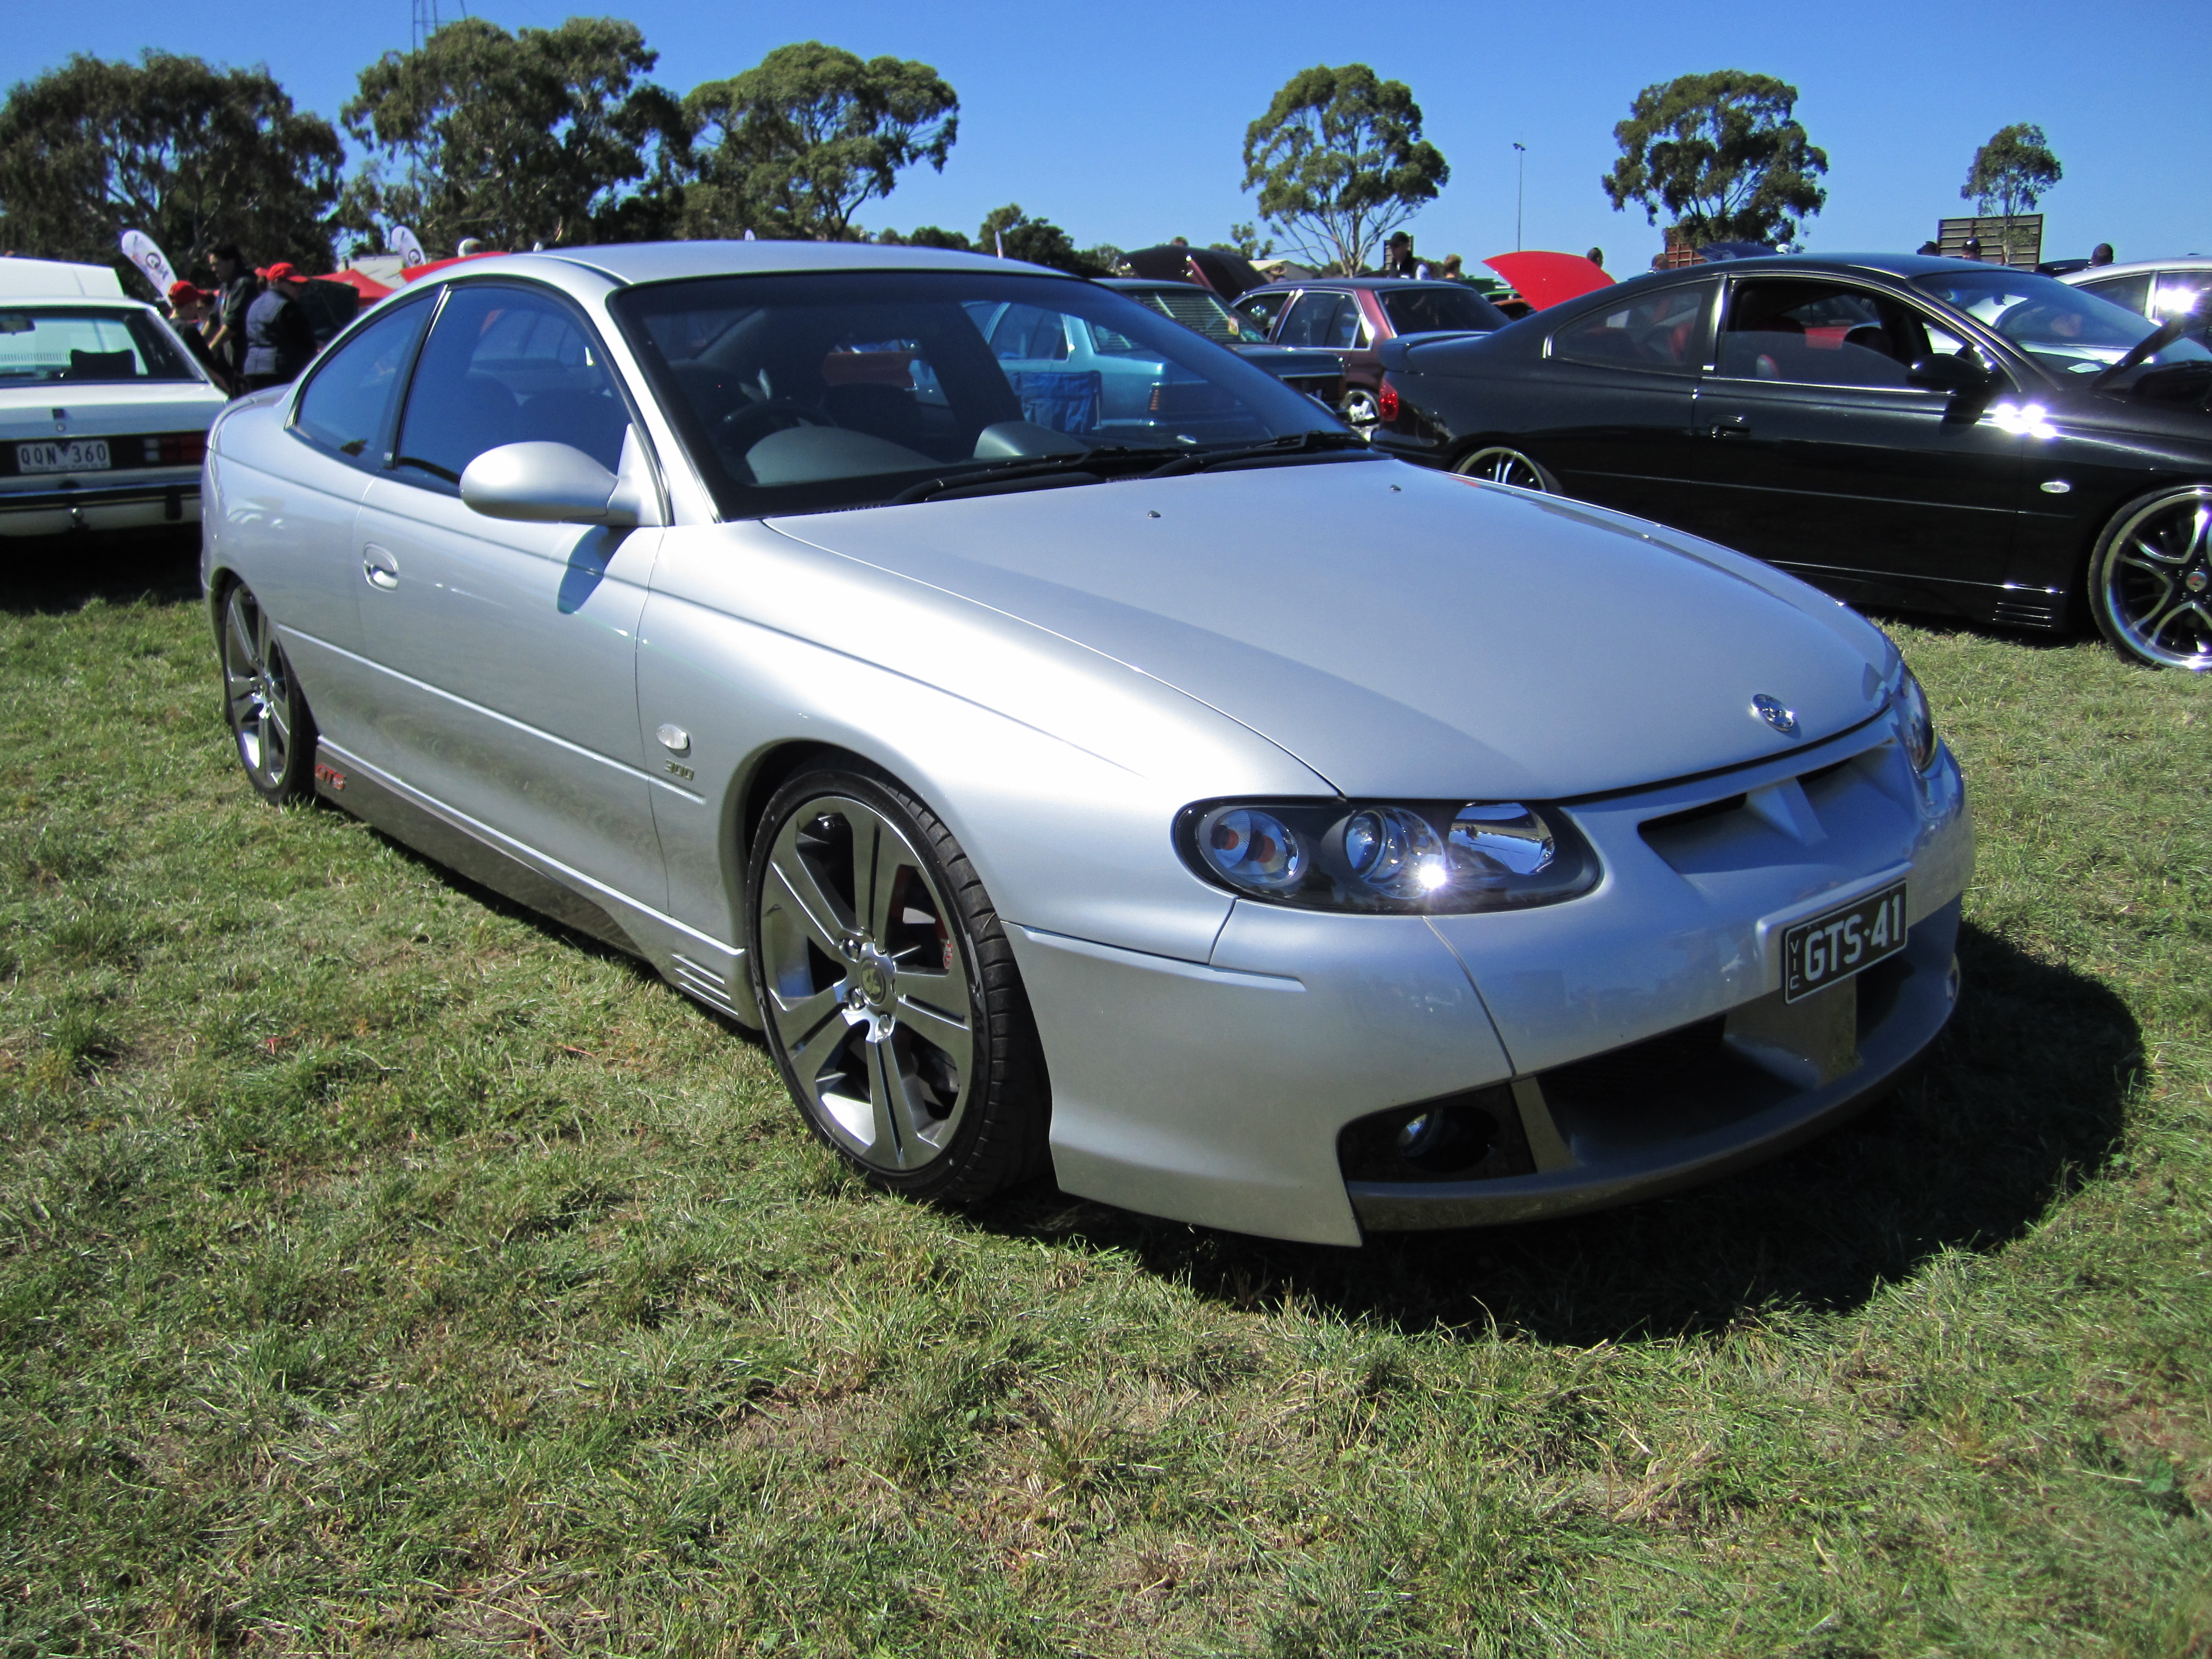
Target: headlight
(1915, 726)
(1390, 856)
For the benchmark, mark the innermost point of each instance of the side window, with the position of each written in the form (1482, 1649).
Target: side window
(1028, 334)
(1817, 334)
(344, 406)
(1263, 309)
(2133, 291)
(506, 365)
(1664, 331)
(1321, 319)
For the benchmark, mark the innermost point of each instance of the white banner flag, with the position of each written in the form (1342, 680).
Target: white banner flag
(410, 250)
(143, 252)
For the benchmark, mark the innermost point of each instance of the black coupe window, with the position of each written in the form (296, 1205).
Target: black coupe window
(1818, 334)
(1665, 331)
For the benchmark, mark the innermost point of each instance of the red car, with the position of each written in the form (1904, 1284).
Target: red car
(1349, 317)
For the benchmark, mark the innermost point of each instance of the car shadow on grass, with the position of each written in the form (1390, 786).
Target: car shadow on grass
(52, 576)
(2017, 1103)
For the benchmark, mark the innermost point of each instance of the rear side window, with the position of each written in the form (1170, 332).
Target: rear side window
(1322, 320)
(506, 365)
(344, 406)
(1664, 331)
(2133, 291)
(1433, 310)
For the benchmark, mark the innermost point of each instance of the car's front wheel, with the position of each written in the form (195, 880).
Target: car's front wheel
(2150, 579)
(890, 996)
(1501, 464)
(270, 722)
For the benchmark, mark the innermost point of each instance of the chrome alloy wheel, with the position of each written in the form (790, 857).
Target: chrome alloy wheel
(1499, 465)
(1361, 413)
(259, 696)
(867, 984)
(2151, 581)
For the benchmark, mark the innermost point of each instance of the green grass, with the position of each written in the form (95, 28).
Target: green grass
(384, 1271)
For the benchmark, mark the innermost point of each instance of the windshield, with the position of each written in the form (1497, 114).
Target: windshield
(1200, 310)
(2067, 330)
(83, 345)
(1429, 310)
(797, 393)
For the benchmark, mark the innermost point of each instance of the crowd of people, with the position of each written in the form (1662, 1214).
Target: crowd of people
(250, 330)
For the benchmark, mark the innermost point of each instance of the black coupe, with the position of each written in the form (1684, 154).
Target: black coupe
(1922, 433)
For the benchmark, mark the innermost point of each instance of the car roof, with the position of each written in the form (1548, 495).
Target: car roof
(631, 263)
(58, 279)
(2180, 262)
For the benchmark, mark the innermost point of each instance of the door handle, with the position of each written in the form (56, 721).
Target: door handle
(1736, 426)
(379, 567)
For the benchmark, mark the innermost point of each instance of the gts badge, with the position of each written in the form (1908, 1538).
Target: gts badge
(679, 770)
(326, 772)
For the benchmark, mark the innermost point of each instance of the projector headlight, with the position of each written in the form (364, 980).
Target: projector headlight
(1388, 856)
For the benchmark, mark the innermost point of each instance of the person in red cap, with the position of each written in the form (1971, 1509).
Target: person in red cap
(279, 339)
(189, 310)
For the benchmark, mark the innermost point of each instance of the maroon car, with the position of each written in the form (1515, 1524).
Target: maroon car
(1349, 317)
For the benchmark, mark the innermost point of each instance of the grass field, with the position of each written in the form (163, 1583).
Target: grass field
(382, 1270)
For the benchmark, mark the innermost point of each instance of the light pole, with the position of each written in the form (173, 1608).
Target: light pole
(1520, 182)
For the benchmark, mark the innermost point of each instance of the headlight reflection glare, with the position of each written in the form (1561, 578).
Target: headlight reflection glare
(1916, 725)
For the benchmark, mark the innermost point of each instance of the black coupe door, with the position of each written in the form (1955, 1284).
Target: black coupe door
(1818, 455)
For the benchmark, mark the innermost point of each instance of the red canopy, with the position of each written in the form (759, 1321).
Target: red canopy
(368, 286)
(413, 271)
(1548, 279)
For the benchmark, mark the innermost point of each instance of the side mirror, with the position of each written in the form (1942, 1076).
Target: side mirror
(1949, 373)
(546, 484)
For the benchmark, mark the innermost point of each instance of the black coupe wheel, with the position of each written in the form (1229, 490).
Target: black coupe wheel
(2150, 579)
(890, 996)
(267, 714)
(1500, 464)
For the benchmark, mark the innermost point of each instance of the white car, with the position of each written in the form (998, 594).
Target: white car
(1248, 828)
(103, 411)
(2156, 288)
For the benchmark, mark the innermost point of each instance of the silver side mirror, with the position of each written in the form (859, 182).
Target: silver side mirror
(548, 484)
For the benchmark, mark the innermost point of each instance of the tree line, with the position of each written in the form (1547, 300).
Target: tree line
(560, 136)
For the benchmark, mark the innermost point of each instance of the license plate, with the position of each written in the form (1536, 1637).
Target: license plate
(71, 455)
(1834, 946)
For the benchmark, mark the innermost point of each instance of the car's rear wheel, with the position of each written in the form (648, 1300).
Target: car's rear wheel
(1360, 411)
(2150, 579)
(890, 996)
(270, 721)
(1500, 464)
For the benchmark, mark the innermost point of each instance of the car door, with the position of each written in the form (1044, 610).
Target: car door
(1821, 456)
(289, 513)
(506, 651)
(1611, 407)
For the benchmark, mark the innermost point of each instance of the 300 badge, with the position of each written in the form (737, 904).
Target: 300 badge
(1838, 942)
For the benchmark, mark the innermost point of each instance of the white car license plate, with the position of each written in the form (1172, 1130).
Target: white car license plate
(71, 455)
(1838, 942)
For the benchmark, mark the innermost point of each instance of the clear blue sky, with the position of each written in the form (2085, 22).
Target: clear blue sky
(1125, 123)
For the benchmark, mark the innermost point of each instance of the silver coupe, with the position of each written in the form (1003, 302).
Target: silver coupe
(1183, 799)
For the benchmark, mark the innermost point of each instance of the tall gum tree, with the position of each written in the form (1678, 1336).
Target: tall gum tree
(1722, 155)
(542, 136)
(794, 145)
(191, 155)
(1339, 162)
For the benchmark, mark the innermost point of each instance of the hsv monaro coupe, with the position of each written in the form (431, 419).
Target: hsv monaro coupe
(1242, 826)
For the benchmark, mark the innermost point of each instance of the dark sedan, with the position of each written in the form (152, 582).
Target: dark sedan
(1923, 433)
(1348, 317)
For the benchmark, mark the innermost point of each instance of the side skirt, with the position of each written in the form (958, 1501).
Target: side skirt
(703, 968)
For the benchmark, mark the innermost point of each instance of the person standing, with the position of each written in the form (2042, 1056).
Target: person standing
(279, 340)
(236, 289)
(189, 311)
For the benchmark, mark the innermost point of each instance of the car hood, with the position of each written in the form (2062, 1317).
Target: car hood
(1404, 632)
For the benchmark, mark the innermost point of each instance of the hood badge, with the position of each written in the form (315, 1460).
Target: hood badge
(1770, 710)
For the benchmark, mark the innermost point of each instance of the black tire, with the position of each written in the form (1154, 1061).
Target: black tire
(2150, 584)
(1498, 462)
(855, 978)
(272, 730)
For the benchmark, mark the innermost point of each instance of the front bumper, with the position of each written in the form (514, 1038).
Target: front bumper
(145, 502)
(1635, 1037)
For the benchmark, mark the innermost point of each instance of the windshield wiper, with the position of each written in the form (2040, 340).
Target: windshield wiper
(1316, 442)
(983, 479)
